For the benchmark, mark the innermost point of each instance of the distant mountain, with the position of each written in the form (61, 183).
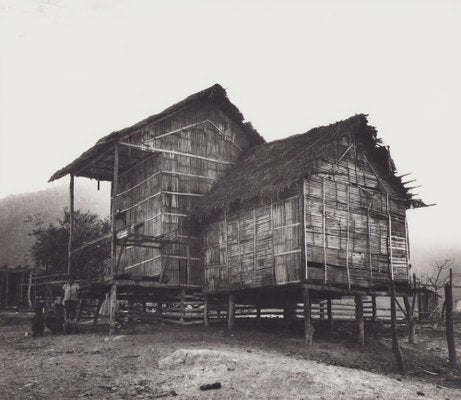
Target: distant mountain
(15, 241)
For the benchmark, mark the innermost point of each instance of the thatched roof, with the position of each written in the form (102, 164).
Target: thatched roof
(215, 94)
(265, 171)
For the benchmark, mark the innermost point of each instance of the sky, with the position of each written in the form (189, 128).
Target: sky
(74, 71)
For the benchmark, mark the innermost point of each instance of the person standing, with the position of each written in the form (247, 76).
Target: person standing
(71, 296)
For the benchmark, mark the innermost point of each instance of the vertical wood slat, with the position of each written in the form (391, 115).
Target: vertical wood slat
(71, 224)
(227, 248)
(113, 211)
(303, 228)
(407, 247)
(324, 239)
(389, 233)
(369, 245)
(272, 242)
(254, 245)
(348, 195)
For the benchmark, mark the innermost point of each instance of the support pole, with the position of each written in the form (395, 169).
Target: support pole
(183, 306)
(231, 312)
(449, 322)
(71, 224)
(114, 212)
(112, 308)
(7, 283)
(330, 314)
(29, 289)
(395, 340)
(308, 327)
(206, 323)
(360, 320)
(410, 320)
(373, 308)
(96, 313)
(258, 314)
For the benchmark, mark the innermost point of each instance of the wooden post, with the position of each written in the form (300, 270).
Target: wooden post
(330, 314)
(21, 290)
(96, 312)
(258, 314)
(395, 340)
(206, 323)
(71, 224)
(114, 212)
(112, 308)
(410, 320)
(373, 308)
(348, 195)
(29, 289)
(2, 284)
(183, 307)
(322, 310)
(308, 327)
(360, 320)
(231, 312)
(449, 322)
(7, 283)
(324, 236)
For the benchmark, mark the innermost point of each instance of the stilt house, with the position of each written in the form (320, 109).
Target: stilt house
(323, 207)
(159, 169)
(200, 203)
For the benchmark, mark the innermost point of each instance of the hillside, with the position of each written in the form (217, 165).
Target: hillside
(15, 241)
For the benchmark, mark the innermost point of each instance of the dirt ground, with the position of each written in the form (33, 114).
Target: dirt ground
(266, 361)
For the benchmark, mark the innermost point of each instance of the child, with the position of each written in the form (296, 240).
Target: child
(38, 325)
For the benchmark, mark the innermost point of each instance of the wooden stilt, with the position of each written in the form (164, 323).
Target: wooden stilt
(80, 309)
(231, 312)
(258, 314)
(359, 319)
(373, 308)
(29, 290)
(7, 283)
(322, 310)
(2, 285)
(71, 225)
(330, 314)
(308, 327)
(395, 340)
(206, 323)
(410, 320)
(183, 306)
(112, 308)
(21, 291)
(449, 323)
(96, 312)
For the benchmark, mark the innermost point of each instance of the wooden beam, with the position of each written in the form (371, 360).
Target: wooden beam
(112, 308)
(71, 224)
(348, 196)
(410, 320)
(359, 319)
(231, 312)
(308, 327)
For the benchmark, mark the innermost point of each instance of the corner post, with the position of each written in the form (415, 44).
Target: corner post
(330, 314)
(71, 224)
(308, 327)
(112, 308)
(231, 312)
(206, 322)
(449, 322)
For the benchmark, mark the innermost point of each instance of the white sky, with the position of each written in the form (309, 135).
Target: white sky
(73, 71)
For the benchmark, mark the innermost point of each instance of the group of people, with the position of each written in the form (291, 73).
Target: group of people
(62, 318)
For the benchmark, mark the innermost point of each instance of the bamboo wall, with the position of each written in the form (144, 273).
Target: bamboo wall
(347, 210)
(195, 147)
(254, 247)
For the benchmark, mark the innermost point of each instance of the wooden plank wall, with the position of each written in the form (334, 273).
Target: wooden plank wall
(349, 211)
(197, 145)
(254, 247)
